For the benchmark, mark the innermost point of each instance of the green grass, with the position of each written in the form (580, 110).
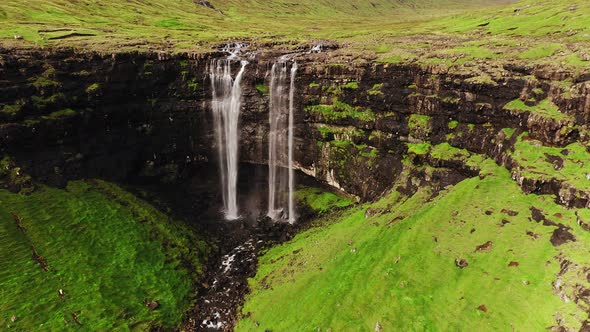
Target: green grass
(42, 102)
(445, 151)
(419, 149)
(534, 159)
(321, 201)
(540, 51)
(419, 125)
(396, 267)
(391, 59)
(469, 52)
(351, 86)
(526, 18)
(340, 110)
(11, 110)
(544, 108)
(106, 249)
(376, 90)
(60, 114)
(43, 82)
(93, 88)
(446, 33)
(262, 89)
(124, 25)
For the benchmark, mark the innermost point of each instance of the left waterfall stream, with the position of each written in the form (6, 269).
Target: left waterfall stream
(225, 104)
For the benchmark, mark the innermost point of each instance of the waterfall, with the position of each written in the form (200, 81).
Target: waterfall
(281, 181)
(291, 120)
(225, 104)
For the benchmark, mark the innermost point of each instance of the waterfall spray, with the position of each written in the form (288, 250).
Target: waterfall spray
(226, 102)
(280, 146)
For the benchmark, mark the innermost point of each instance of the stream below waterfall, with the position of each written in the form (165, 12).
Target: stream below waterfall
(237, 243)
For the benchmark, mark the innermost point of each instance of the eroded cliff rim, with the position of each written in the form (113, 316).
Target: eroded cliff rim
(68, 115)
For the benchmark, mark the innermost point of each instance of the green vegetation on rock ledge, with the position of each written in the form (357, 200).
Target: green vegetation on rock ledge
(106, 249)
(544, 108)
(321, 201)
(341, 110)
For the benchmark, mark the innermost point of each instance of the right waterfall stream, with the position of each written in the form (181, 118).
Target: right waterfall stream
(281, 184)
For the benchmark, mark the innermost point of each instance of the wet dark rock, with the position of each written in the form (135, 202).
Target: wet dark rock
(19, 223)
(555, 160)
(509, 212)
(461, 263)
(537, 214)
(76, 319)
(564, 266)
(372, 212)
(585, 225)
(39, 259)
(484, 247)
(561, 235)
(582, 294)
(505, 222)
(378, 327)
(152, 305)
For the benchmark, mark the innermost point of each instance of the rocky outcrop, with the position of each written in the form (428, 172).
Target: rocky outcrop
(67, 115)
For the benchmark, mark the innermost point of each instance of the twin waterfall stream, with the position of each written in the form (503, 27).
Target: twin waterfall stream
(226, 103)
(280, 143)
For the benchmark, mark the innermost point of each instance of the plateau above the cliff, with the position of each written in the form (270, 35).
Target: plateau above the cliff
(195, 25)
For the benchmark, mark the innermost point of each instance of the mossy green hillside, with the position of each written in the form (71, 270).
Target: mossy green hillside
(395, 266)
(123, 24)
(106, 249)
(570, 164)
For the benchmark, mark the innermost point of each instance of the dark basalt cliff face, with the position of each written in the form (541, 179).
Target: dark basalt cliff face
(69, 115)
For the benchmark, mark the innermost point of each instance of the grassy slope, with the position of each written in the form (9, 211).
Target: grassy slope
(186, 24)
(104, 249)
(446, 33)
(397, 268)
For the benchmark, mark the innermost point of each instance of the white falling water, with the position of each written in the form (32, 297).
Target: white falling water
(280, 147)
(226, 103)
